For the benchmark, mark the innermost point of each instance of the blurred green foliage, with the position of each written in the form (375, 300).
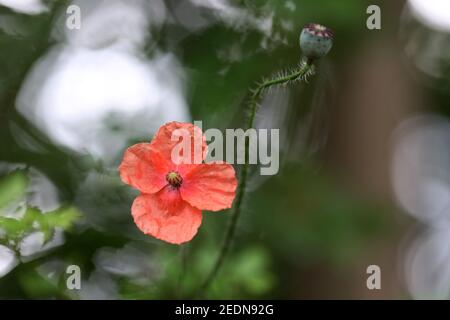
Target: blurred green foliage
(310, 217)
(34, 220)
(248, 274)
(13, 189)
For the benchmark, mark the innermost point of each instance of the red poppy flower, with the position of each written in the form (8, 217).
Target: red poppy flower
(173, 194)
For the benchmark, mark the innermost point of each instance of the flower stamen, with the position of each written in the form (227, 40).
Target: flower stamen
(174, 179)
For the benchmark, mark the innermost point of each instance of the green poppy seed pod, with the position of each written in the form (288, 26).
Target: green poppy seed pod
(315, 41)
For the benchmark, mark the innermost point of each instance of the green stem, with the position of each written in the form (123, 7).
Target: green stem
(299, 73)
(183, 259)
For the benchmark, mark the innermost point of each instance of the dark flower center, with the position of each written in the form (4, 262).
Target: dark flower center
(174, 179)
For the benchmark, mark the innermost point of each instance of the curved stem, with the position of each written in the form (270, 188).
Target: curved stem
(305, 69)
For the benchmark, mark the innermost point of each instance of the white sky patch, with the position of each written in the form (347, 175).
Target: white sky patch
(33, 244)
(427, 265)
(433, 13)
(120, 23)
(95, 100)
(421, 181)
(96, 91)
(41, 192)
(420, 168)
(25, 6)
(237, 17)
(8, 260)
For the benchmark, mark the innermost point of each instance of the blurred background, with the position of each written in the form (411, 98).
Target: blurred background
(364, 147)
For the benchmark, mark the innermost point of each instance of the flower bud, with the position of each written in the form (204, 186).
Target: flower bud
(315, 41)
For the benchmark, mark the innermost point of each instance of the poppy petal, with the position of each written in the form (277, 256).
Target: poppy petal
(210, 186)
(166, 216)
(171, 134)
(143, 168)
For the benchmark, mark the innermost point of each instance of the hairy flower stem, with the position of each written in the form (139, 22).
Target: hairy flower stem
(300, 73)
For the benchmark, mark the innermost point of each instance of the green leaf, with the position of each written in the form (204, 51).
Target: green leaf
(12, 187)
(35, 220)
